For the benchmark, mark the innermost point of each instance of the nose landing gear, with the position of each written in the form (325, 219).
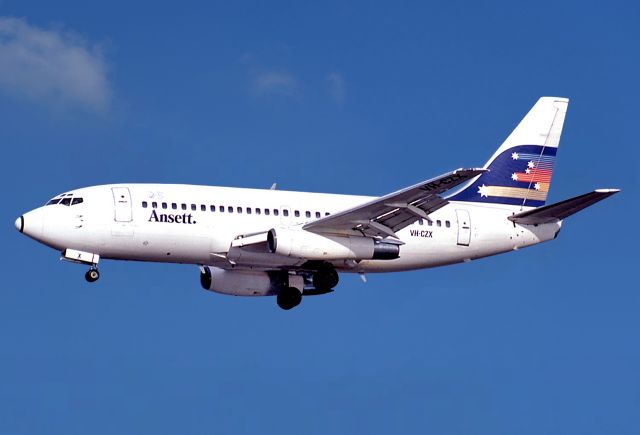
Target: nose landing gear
(92, 274)
(81, 257)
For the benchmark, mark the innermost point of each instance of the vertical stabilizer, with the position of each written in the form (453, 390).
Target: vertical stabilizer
(519, 172)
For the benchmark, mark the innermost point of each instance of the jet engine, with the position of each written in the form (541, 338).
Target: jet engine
(247, 282)
(312, 246)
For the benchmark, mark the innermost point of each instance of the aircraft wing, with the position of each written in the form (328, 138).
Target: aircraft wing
(390, 213)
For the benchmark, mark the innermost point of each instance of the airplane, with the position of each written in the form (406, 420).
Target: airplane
(268, 242)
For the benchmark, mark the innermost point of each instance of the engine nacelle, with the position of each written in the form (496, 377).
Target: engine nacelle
(247, 282)
(312, 246)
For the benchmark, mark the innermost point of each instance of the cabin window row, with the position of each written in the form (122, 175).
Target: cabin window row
(230, 209)
(438, 223)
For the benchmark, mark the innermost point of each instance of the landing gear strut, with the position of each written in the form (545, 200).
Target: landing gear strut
(289, 297)
(92, 274)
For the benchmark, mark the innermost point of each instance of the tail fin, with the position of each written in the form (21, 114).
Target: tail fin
(519, 172)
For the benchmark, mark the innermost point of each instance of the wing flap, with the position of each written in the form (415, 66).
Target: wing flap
(562, 209)
(383, 216)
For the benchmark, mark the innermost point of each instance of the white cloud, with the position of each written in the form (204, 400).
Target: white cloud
(51, 67)
(337, 87)
(276, 83)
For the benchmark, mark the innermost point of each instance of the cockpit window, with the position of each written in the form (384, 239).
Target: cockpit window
(65, 199)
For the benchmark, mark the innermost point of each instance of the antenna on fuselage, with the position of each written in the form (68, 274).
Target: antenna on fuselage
(274, 186)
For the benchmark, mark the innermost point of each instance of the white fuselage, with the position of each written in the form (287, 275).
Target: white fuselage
(198, 224)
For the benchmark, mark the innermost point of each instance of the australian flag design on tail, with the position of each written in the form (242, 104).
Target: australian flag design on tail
(520, 175)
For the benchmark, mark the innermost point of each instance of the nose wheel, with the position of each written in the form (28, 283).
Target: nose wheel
(92, 275)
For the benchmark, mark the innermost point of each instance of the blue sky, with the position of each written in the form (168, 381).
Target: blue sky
(357, 98)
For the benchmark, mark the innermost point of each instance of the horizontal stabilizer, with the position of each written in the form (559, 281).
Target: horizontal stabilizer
(562, 209)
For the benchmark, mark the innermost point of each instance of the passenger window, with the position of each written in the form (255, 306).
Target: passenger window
(203, 207)
(212, 208)
(184, 206)
(221, 209)
(267, 211)
(439, 223)
(164, 205)
(317, 215)
(420, 222)
(276, 212)
(154, 204)
(257, 210)
(285, 212)
(174, 206)
(448, 224)
(76, 201)
(144, 204)
(230, 209)
(248, 210)
(430, 222)
(307, 214)
(297, 213)
(239, 209)
(193, 207)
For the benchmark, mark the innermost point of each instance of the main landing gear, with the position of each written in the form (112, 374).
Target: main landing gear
(92, 274)
(323, 279)
(289, 297)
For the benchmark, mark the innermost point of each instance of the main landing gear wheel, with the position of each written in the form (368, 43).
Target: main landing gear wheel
(289, 297)
(92, 275)
(325, 279)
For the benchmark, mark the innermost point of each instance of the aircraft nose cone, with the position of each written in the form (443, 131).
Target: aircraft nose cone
(20, 223)
(32, 223)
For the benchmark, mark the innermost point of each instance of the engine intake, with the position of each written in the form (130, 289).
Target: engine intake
(312, 246)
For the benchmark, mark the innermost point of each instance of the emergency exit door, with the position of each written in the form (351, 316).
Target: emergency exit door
(122, 204)
(464, 227)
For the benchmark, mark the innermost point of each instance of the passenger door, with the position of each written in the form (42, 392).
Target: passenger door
(464, 227)
(122, 204)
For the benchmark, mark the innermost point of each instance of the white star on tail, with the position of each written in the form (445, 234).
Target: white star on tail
(514, 176)
(531, 164)
(527, 171)
(515, 156)
(536, 186)
(483, 191)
